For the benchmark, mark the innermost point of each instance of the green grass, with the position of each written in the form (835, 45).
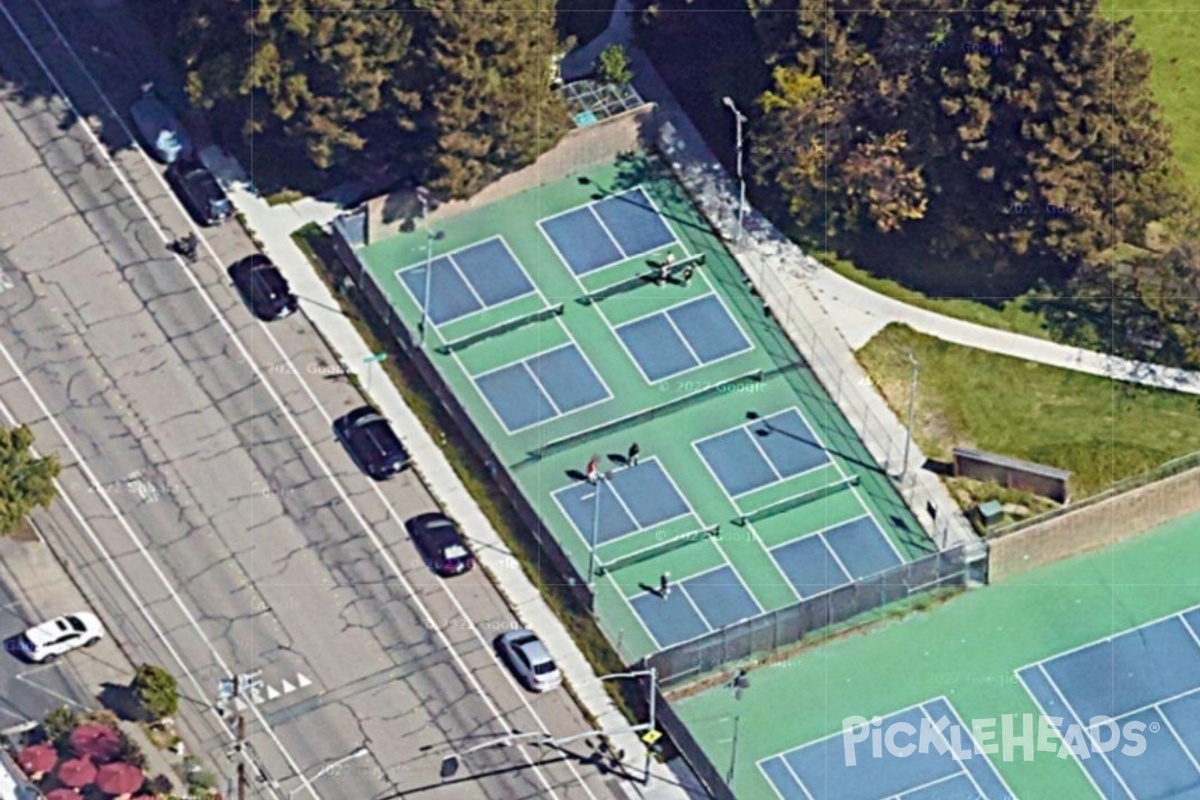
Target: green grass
(1014, 315)
(284, 196)
(423, 402)
(1168, 31)
(1100, 430)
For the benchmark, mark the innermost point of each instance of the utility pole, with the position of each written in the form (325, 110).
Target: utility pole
(912, 407)
(241, 764)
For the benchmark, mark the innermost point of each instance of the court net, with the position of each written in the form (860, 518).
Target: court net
(664, 272)
(656, 549)
(789, 503)
(645, 415)
(504, 327)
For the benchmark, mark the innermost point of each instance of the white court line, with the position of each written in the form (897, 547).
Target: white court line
(369, 530)
(1075, 716)
(541, 388)
(624, 256)
(633, 611)
(653, 207)
(950, 746)
(1179, 739)
(1155, 706)
(1048, 717)
(1115, 636)
(758, 609)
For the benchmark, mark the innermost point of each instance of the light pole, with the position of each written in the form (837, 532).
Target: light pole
(600, 479)
(912, 407)
(430, 237)
(741, 214)
(325, 770)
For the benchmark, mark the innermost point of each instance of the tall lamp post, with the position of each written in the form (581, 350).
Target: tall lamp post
(912, 407)
(328, 768)
(430, 237)
(591, 576)
(741, 214)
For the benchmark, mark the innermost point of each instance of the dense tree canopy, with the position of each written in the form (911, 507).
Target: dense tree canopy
(456, 94)
(1011, 130)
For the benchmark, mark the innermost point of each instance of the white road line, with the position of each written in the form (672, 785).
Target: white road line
(383, 552)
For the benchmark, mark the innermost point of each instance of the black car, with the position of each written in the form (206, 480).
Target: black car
(263, 287)
(371, 442)
(441, 544)
(199, 190)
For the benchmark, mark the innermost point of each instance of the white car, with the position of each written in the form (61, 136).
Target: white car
(60, 635)
(529, 660)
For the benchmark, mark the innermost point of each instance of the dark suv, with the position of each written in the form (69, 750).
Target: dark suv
(371, 442)
(441, 544)
(199, 190)
(263, 287)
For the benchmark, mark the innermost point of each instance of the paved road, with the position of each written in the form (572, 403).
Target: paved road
(209, 512)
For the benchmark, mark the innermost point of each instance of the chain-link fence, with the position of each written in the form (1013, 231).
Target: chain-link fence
(779, 628)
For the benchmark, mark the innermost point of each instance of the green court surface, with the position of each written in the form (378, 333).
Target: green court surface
(967, 653)
(543, 319)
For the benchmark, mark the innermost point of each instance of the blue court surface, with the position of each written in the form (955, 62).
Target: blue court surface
(481, 276)
(836, 556)
(607, 231)
(694, 606)
(762, 452)
(931, 757)
(542, 387)
(682, 338)
(631, 500)
(1144, 681)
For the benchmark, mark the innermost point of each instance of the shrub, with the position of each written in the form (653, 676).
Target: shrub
(157, 691)
(58, 725)
(613, 66)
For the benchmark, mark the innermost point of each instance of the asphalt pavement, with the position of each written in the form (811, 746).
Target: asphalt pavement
(208, 513)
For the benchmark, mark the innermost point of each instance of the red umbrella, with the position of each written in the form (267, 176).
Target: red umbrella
(97, 741)
(63, 794)
(120, 778)
(37, 759)
(77, 772)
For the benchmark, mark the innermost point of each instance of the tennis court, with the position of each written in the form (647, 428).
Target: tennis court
(933, 757)
(1148, 676)
(541, 387)
(577, 319)
(681, 338)
(466, 281)
(1012, 668)
(608, 231)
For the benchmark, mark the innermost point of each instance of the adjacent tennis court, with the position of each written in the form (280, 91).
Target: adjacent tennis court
(629, 500)
(762, 452)
(467, 281)
(1148, 676)
(607, 232)
(930, 756)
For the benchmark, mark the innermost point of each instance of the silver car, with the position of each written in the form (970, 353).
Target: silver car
(529, 660)
(159, 129)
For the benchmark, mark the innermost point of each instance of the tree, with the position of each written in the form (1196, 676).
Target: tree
(613, 65)
(26, 481)
(157, 691)
(494, 108)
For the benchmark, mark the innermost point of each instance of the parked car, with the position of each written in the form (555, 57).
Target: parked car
(59, 636)
(199, 190)
(371, 442)
(263, 287)
(159, 129)
(529, 660)
(441, 544)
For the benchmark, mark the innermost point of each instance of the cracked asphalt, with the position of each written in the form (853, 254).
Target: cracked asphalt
(201, 525)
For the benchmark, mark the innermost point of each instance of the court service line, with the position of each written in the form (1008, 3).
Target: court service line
(1156, 706)
(599, 221)
(1048, 717)
(633, 611)
(1178, 739)
(226, 326)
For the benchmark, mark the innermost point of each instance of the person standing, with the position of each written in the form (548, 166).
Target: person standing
(664, 585)
(632, 458)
